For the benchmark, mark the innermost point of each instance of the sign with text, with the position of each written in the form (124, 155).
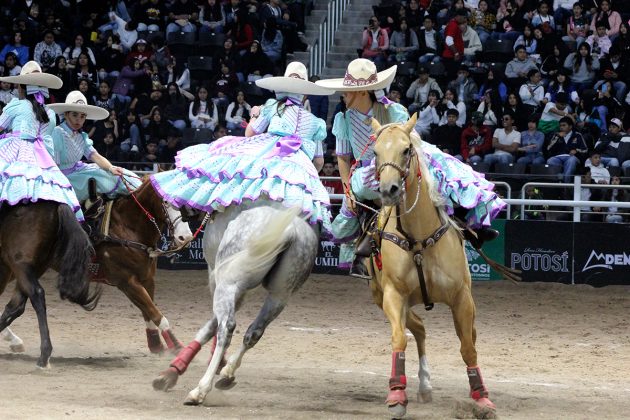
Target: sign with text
(479, 269)
(602, 254)
(542, 250)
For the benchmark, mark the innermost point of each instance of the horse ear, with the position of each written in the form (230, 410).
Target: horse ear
(409, 125)
(376, 126)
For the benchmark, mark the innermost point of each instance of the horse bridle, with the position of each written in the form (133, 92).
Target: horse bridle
(404, 173)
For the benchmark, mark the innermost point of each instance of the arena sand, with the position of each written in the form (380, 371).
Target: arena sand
(547, 351)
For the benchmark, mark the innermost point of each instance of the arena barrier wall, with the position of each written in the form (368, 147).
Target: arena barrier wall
(597, 254)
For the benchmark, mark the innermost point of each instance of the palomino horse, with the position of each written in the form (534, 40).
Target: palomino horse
(124, 259)
(33, 238)
(255, 243)
(418, 240)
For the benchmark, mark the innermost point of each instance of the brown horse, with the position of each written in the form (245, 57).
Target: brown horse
(417, 240)
(124, 258)
(33, 238)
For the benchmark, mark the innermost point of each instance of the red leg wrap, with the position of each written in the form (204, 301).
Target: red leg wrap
(397, 396)
(477, 388)
(171, 341)
(154, 341)
(398, 380)
(185, 356)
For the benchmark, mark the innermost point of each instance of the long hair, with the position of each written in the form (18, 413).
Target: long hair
(270, 31)
(578, 59)
(431, 92)
(197, 102)
(38, 109)
(235, 110)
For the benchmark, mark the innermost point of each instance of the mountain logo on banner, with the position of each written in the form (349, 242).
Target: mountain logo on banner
(471, 253)
(607, 261)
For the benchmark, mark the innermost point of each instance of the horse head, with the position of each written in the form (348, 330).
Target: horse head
(179, 229)
(394, 152)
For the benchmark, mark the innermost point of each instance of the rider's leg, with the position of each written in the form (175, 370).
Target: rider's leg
(483, 233)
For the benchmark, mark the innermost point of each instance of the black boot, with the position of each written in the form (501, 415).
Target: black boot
(359, 269)
(480, 236)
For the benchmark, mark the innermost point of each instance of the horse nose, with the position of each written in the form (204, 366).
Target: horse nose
(392, 191)
(181, 238)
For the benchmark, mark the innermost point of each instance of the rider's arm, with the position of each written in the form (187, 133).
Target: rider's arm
(105, 164)
(344, 161)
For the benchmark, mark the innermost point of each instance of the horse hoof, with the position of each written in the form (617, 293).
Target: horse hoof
(154, 341)
(193, 398)
(425, 396)
(166, 380)
(224, 383)
(17, 348)
(485, 409)
(397, 411)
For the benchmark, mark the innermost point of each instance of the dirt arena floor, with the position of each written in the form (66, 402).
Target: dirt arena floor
(547, 351)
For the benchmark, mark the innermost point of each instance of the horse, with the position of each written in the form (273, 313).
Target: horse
(249, 245)
(418, 258)
(33, 238)
(125, 257)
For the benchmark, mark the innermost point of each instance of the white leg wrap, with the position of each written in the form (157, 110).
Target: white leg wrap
(164, 325)
(151, 325)
(424, 375)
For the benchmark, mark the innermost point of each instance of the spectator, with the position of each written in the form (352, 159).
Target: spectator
(599, 42)
(483, 21)
(531, 144)
(565, 9)
(255, 64)
(430, 43)
(505, 142)
(419, 89)
(614, 70)
(150, 157)
(176, 108)
(47, 51)
(577, 25)
(211, 17)
(403, 45)
(608, 144)
(60, 70)
(517, 69)
(414, 13)
(124, 85)
(493, 82)
(490, 108)
(472, 43)
(222, 86)
(615, 195)
(7, 93)
(241, 31)
(150, 15)
(147, 98)
(106, 99)
(72, 52)
(130, 133)
(102, 127)
(110, 58)
(203, 113)
(542, 16)
(227, 53)
(476, 140)
(85, 70)
(599, 173)
(182, 16)
(157, 125)
(272, 41)
(108, 148)
(561, 83)
(428, 116)
(178, 73)
(514, 106)
(611, 19)
(332, 186)
(527, 40)
(567, 149)
(464, 86)
(606, 104)
(319, 104)
(139, 51)
(553, 112)
(453, 53)
(532, 93)
(126, 31)
(15, 46)
(622, 42)
(11, 65)
(394, 95)
(230, 10)
(448, 137)
(375, 43)
(450, 101)
(161, 56)
(582, 67)
(237, 114)
(219, 131)
(172, 145)
(510, 25)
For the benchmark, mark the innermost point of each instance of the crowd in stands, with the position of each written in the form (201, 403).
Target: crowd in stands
(171, 72)
(500, 82)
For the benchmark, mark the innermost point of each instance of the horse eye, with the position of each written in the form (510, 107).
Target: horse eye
(407, 150)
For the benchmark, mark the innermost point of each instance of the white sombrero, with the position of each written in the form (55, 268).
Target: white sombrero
(360, 75)
(295, 80)
(31, 74)
(75, 101)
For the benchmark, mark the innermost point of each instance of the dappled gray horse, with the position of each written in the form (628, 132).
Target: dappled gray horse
(253, 244)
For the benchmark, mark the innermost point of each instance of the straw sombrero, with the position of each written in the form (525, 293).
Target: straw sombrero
(295, 80)
(361, 75)
(75, 101)
(31, 74)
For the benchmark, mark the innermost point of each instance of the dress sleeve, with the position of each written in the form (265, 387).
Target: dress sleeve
(88, 146)
(398, 113)
(261, 123)
(319, 136)
(8, 113)
(342, 135)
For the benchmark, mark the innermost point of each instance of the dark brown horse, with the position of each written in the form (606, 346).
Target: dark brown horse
(124, 258)
(33, 238)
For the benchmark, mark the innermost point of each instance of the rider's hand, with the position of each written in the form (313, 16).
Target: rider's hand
(116, 170)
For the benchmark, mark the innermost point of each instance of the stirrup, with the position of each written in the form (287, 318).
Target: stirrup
(359, 269)
(94, 209)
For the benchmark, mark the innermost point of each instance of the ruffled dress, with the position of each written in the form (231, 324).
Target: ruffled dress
(456, 181)
(28, 172)
(276, 164)
(70, 147)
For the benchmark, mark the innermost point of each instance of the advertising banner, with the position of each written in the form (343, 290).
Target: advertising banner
(327, 259)
(479, 269)
(602, 253)
(190, 258)
(542, 250)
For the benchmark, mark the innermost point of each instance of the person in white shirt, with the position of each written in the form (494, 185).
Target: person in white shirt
(532, 93)
(505, 141)
(202, 112)
(599, 41)
(599, 173)
(125, 30)
(451, 102)
(237, 113)
(428, 115)
(472, 43)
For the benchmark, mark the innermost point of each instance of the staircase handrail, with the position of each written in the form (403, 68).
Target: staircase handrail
(326, 36)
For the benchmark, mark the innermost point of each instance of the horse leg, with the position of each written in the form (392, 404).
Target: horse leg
(153, 333)
(13, 310)
(15, 343)
(464, 317)
(395, 308)
(416, 326)
(270, 310)
(224, 307)
(37, 296)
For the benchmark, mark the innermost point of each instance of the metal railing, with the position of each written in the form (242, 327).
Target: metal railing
(326, 35)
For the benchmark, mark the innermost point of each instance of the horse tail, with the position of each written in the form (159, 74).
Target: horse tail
(262, 250)
(74, 253)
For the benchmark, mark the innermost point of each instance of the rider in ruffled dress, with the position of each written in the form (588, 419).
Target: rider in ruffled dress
(28, 173)
(467, 194)
(71, 145)
(274, 159)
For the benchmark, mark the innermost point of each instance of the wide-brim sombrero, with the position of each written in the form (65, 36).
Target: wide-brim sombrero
(31, 74)
(295, 80)
(361, 75)
(76, 102)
